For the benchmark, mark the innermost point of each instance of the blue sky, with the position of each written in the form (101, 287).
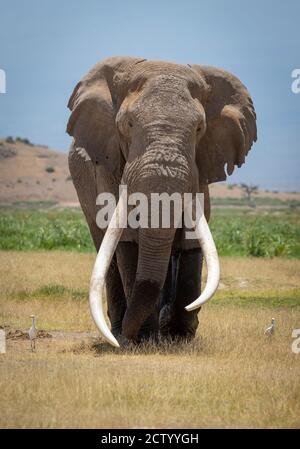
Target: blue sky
(47, 46)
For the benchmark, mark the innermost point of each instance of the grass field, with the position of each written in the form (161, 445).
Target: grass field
(237, 231)
(231, 375)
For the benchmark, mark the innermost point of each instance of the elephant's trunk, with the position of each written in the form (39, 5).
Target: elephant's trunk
(154, 253)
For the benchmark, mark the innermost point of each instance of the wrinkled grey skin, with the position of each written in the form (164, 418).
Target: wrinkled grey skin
(157, 127)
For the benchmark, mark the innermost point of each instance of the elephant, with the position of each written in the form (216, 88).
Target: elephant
(154, 126)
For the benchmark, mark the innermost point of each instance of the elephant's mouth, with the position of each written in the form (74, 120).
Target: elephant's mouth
(107, 249)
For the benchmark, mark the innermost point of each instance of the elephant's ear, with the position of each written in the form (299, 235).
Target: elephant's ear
(94, 104)
(231, 125)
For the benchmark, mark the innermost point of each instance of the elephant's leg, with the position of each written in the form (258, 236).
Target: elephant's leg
(116, 301)
(168, 295)
(149, 330)
(184, 324)
(127, 258)
(84, 176)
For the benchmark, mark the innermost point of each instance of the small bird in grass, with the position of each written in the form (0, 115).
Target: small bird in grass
(32, 333)
(270, 330)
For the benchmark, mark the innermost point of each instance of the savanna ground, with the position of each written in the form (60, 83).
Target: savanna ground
(231, 375)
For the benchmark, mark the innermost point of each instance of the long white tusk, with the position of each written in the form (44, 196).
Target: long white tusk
(210, 254)
(102, 263)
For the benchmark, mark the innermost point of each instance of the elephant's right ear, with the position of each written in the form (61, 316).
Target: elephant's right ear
(94, 104)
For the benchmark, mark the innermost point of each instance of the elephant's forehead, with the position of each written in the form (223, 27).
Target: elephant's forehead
(163, 85)
(163, 71)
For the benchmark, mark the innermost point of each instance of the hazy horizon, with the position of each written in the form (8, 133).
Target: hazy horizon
(46, 47)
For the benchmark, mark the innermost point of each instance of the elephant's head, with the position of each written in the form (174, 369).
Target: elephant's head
(159, 127)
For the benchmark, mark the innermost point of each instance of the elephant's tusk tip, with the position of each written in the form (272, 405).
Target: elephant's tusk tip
(113, 341)
(115, 344)
(191, 307)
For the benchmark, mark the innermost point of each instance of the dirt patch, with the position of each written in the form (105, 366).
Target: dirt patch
(73, 335)
(43, 334)
(18, 334)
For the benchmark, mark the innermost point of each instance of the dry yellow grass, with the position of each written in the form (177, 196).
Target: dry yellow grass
(230, 376)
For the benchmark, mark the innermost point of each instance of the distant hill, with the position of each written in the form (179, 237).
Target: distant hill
(36, 173)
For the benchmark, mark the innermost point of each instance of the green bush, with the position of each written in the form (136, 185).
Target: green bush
(50, 169)
(26, 141)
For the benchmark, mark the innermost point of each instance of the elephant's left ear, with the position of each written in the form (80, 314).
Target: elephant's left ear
(231, 125)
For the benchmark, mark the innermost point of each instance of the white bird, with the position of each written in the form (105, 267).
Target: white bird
(32, 333)
(270, 330)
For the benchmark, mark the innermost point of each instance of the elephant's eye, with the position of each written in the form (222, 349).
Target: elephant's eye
(199, 129)
(130, 124)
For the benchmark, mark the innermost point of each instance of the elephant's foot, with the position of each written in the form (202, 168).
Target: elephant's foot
(148, 331)
(125, 343)
(180, 330)
(141, 317)
(116, 329)
(182, 326)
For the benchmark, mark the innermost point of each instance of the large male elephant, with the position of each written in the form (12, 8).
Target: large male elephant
(156, 127)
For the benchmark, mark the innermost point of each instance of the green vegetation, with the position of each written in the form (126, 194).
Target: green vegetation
(10, 139)
(237, 232)
(260, 201)
(30, 229)
(51, 291)
(260, 234)
(24, 140)
(231, 297)
(50, 169)
(271, 298)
